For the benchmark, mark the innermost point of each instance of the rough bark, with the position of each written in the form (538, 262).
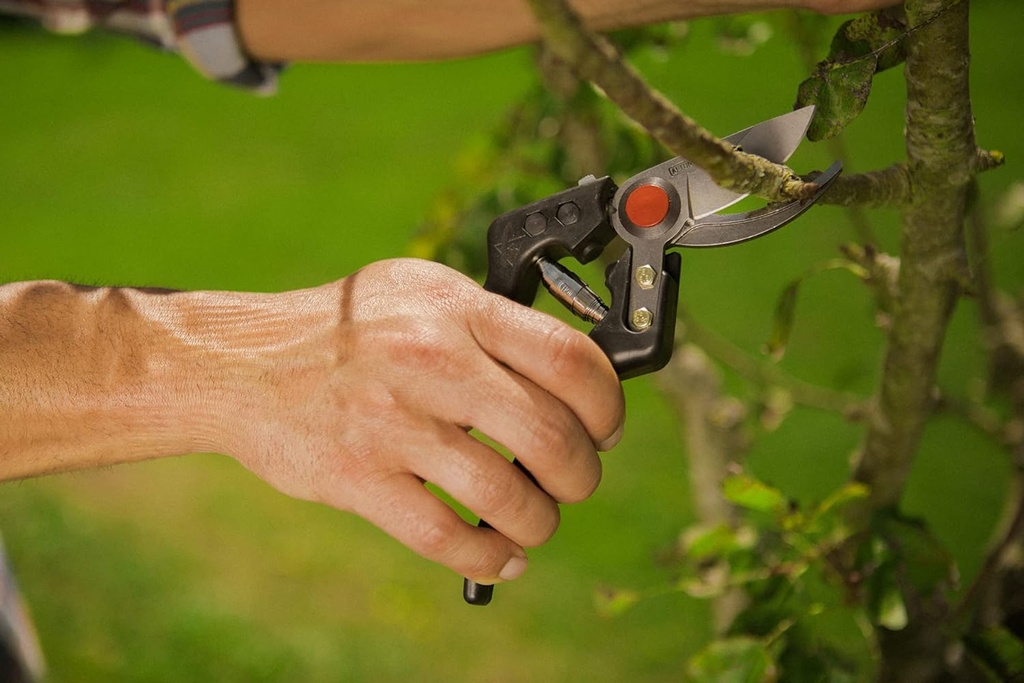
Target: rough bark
(941, 156)
(941, 163)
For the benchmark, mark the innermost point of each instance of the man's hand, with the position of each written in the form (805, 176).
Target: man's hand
(360, 410)
(353, 394)
(390, 30)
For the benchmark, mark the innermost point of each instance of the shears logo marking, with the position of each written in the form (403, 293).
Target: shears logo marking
(681, 167)
(509, 250)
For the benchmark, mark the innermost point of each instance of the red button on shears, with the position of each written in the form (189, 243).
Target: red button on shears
(647, 206)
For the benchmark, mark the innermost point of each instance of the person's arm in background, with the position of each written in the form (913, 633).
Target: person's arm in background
(351, 394)
(396, 30)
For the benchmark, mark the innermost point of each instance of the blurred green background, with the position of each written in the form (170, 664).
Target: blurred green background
(118, 165)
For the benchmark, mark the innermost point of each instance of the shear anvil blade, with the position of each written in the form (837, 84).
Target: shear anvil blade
(718, 231)
(775, 140)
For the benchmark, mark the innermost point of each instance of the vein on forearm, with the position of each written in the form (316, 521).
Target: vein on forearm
(95, 376)
(70, 355)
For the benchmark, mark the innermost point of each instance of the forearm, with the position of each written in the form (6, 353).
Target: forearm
(99, 376)
(353, 394)
(388, 30)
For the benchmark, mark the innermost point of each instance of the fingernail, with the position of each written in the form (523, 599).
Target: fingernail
(514, 568)
(612, 440)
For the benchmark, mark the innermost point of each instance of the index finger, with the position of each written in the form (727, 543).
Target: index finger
(562, 361)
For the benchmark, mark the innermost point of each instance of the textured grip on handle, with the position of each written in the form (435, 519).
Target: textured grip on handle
(571, 223)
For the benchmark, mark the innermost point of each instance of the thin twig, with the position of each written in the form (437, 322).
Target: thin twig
(714, 432)
(767, 374)
(981, 604)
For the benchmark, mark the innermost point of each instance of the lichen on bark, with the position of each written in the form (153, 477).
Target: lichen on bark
(941, 155)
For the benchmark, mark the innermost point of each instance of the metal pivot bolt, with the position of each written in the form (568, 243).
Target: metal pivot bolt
(645, 276)
(642, 319)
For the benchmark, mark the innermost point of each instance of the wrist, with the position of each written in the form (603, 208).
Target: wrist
(237, 357)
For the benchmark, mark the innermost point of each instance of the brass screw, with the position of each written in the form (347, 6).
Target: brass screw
(642, 319)
(645, 277)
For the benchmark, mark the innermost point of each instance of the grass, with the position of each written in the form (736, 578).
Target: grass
(118, 165)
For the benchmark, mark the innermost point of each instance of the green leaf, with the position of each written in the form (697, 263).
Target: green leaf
(999, 651)
(711, 582)
(703, 542)
(828, 521)
(925, 563)
(752, 494)
(782, 321)
(614, 602)
(785, 309)
(841, 83)
(892, 610)
(839, 93)
(843, 496)
(732, 660)
(878, 33)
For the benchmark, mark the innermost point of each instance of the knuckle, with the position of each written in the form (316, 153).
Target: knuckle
(438, 536)
(355, 468)
(527, 524)
(486, 564)
(443, 288)
(567, 351)
(570, 462)
(497, 496)
(539, 534)
(584, 488)
(421, 345)
(509, 502)
(549, 434)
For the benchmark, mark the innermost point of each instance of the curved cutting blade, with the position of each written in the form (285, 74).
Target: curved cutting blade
(719, 231)
(775, 140)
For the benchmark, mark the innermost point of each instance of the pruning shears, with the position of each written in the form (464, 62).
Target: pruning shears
(672, 204)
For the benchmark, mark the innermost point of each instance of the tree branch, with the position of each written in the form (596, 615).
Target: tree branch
(713, 430)
(893, 186)
(596, 60)
(986, 160)
(767, 374)
(991, 598)
(985, 602)
(888, 187)
(941, 162)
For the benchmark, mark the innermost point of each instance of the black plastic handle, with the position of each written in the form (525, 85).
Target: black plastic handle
(575, 223)
(634, 353)
(481, 593)
(474, 593)
(571, 223)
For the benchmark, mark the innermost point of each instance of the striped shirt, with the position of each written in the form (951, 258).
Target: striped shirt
(203, 31)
